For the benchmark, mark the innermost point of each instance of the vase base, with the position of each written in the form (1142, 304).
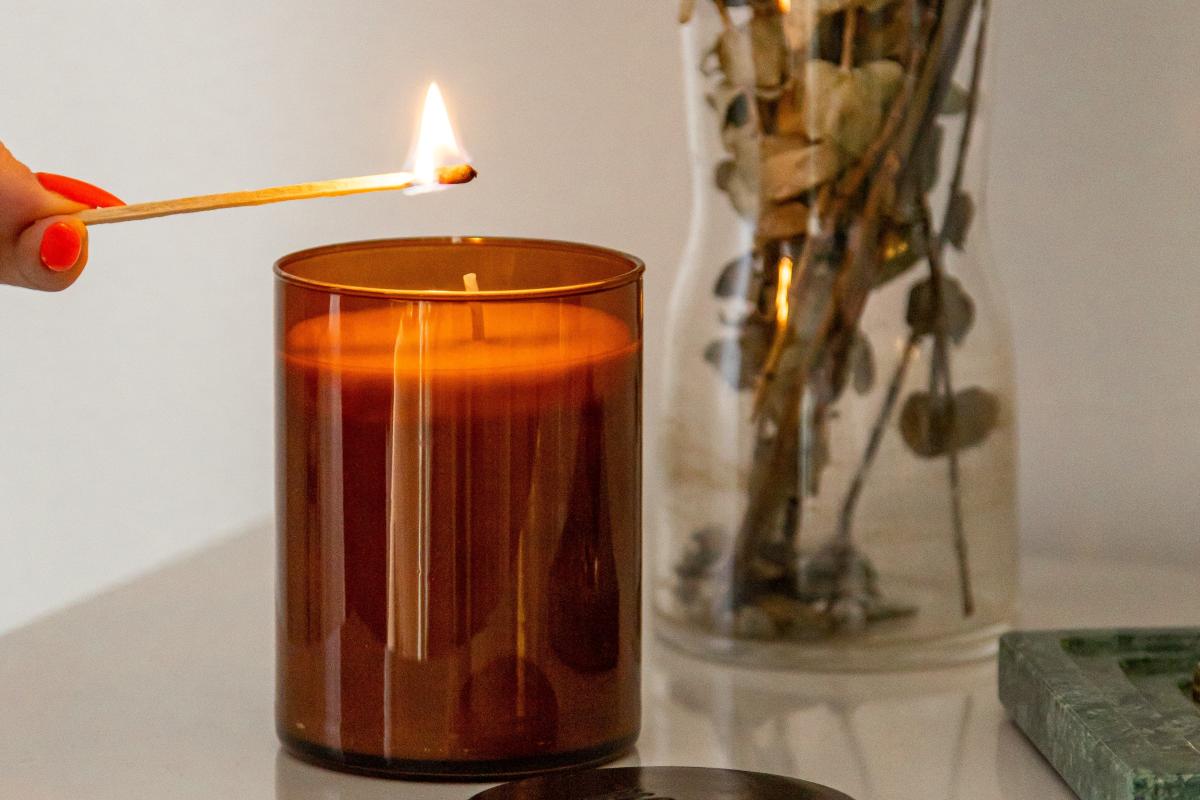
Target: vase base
(850, 654)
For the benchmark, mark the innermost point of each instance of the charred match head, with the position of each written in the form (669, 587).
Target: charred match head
(458, 173)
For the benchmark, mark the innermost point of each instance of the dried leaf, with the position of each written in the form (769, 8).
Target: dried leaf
(735, 54)
(744, 144)
(740, 361)
(771, 53)
(789, 116)
(957, 309)
(740, 277)
(885, 35)
(862, 364)
(876, 85)
(790, 174)
(903, 248)
(701, 554)
(925, 422)
(831, 570)
(731, 105)
(887, 76)
(723, 174)
(686, 9)
(774, 145)
(739, 178)
(744, 200)
(827, 96)
(959, 216)
(956, 102)
(753, 623)
(787, 221)
(738, 112)
(896, 266)
(846, 107)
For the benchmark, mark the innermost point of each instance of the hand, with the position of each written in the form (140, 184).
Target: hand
(41, 245)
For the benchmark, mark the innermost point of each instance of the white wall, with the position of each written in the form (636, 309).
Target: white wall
(136, 411)
(1095, 208)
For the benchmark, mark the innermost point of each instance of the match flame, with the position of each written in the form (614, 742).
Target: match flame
(785, 6)
(782, 291)
(437, 145)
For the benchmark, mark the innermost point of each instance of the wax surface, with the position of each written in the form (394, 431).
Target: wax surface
(528, 338)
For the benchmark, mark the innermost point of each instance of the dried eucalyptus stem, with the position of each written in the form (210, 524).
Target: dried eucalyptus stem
(956, 210)
(940, 384)
(846, 517)
(849, 32)
(955, 203)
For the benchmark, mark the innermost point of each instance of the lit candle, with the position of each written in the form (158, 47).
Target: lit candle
(460, 521)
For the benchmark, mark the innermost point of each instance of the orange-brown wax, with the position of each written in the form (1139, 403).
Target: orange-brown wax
(460, 530)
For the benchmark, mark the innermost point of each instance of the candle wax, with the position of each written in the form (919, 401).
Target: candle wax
(460, 530)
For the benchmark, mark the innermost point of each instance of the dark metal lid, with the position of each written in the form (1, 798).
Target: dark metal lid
(661, 783)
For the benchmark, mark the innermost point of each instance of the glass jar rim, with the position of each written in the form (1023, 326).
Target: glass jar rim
(634, 267)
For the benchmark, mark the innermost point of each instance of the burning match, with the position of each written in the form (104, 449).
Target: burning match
(437, 161)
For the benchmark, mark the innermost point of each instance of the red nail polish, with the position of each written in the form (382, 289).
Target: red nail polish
(77, 190)
(61, 246)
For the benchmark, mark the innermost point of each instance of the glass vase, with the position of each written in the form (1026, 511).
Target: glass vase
(838, 429)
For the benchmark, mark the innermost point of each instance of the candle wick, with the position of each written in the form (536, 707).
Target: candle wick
(471, 284)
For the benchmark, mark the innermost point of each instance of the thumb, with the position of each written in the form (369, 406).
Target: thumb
(48, 255)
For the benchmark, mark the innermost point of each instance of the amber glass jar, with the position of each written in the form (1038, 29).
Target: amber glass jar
(459, 511)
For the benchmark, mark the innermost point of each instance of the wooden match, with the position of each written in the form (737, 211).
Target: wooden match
(391, 181)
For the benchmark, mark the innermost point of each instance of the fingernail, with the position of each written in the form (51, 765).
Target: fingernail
(77, 190)
(61, 246)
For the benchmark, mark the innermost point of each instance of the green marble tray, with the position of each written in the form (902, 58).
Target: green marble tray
(1110, 709)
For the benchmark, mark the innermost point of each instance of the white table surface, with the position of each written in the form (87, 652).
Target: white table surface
(162, 689)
